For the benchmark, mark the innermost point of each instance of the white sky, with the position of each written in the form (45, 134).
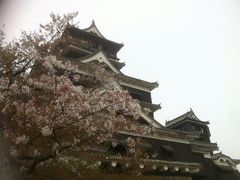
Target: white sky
(192, 48)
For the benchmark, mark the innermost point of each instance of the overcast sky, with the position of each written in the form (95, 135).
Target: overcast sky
(191, 47)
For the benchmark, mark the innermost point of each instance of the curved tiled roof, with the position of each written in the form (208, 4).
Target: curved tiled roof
(108, 44)
(129, 79)
(153, 107)
(190, 115)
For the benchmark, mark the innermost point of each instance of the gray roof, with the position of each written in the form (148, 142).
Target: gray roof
(190, 115)
(218, 155)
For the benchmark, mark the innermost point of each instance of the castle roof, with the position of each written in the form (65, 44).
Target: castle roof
(100, 56)
(189, 116)
(93, 29)
(115, 65)
(128, 81)
(220, 155)
(111, 46)
(224, 162)
(151, 120)
(151, 106)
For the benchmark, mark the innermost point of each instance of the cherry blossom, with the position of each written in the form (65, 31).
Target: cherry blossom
(50, 106)
(46, 131)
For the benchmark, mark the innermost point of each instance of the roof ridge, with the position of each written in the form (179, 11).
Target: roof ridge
(179, 116)
(71, 26)
(190, 115)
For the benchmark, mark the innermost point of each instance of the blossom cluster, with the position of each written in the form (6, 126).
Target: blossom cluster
(48, 113)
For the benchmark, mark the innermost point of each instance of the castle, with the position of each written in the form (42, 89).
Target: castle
(181, 149)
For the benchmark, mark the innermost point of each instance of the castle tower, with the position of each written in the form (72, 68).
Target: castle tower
(181, 150)
(88, 45)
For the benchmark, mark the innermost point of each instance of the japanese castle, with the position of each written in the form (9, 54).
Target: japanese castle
(180, 149)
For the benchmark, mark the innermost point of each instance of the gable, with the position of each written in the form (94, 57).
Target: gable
(93, 29)
(101, 57)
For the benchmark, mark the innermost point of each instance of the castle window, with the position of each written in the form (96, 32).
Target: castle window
(136, 96)
(167, 150)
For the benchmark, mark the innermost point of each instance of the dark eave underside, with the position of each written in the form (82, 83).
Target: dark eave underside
(205, 144)
(152, 107)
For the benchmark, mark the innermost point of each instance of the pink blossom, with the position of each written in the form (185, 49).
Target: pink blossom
(48, 65)
(131, 142)
(22, 139)
(36, 153)
(46, 131)
(14, 88)
(4, 83)
(13, 152)
(25, 89)
(1, 97)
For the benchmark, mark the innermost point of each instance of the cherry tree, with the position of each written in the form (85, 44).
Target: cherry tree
(50, 108)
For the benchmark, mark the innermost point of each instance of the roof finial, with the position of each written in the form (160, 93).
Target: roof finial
(93, 22)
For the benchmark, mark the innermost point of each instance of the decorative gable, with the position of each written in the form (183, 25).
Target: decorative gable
(102, 58)
(93, 29)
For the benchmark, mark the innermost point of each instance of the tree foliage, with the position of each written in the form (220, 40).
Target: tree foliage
(47, 110)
